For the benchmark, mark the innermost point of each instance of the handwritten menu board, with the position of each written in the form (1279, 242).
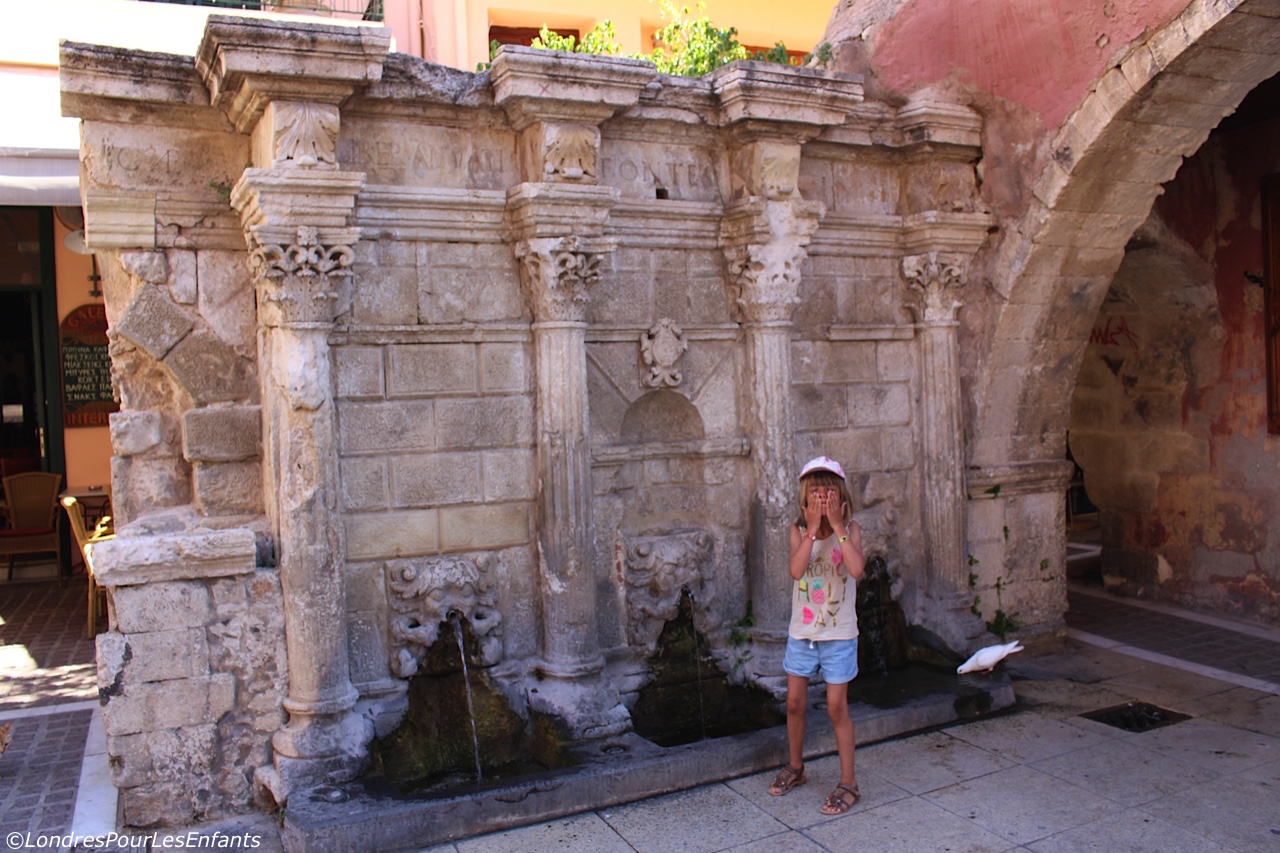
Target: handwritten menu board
(86, 368)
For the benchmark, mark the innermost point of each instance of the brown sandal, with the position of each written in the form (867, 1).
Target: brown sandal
(840, 800)
(787, 778)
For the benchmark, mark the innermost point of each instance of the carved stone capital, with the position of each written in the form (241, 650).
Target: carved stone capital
(298, 282)
(765, 244)
(931, 280)
(556, 273)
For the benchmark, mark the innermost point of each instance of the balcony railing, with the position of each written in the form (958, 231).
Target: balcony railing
(366, 10)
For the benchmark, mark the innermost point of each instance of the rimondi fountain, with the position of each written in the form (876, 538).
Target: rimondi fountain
(476, 399)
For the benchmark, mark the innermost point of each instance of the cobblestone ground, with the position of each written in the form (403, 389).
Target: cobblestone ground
(45, 657)
(40, 772)
(45, 661)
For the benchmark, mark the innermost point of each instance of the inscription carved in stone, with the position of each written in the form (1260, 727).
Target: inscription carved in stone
(661, 347)
(658, 570)
(425, 592)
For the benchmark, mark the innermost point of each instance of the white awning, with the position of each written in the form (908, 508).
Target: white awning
(39, 177)
(39, 147)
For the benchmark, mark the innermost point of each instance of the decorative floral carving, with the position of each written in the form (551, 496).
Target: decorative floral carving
(303, 258)
(930, 277)
(661, 347)
(557, 277)
(571, 152)
(426, 592)
(766, 279)
(658, 569)
(306, 135)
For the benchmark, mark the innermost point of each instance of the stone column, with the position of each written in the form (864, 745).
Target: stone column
(295, 206)
(764, 244)
(558, 216)
(931, 282)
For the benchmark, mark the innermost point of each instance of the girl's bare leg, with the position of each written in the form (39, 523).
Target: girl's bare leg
(838, 712)
(797, 704)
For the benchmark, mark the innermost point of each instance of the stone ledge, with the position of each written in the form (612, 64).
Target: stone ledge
(128, 560)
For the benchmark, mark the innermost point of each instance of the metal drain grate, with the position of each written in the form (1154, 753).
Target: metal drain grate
(1136, 717)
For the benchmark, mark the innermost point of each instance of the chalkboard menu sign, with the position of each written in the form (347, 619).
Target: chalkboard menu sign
(86, 368)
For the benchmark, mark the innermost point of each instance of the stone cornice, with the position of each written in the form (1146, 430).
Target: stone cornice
(248, 62)
(113, 84)
(540, 210)
(431, 213)
(1018, 478)
(779, 100)
(534, 85)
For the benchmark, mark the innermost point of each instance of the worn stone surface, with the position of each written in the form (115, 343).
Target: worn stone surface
(569, 305)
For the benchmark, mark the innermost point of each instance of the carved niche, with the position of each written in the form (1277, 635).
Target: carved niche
(660, 348)
(658, 569)
(425, 592)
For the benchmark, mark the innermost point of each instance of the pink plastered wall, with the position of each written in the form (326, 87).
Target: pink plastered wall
(1040, 54)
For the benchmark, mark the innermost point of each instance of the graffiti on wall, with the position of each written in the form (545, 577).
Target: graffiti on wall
(1115, 332)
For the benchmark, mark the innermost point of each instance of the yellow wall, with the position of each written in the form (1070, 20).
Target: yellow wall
(456, 32)
(88, 449)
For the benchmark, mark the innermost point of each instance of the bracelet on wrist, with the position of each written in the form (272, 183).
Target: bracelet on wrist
(844, 538)
(811, 536)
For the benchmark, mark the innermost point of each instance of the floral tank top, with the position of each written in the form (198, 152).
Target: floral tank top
(822, 601)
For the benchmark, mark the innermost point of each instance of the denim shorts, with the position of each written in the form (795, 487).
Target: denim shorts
(838, 659)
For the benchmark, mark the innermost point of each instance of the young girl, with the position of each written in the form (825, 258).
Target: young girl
(826, 561)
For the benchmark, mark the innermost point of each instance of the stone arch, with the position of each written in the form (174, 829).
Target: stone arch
(1106, 166)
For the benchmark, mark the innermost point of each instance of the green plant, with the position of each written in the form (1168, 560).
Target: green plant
(777, 53)
(1003, 624)
(973, 608)
(994, 491)
(600, 40)
(494, 44)
(820, 56)
(223, 189)
(693, 47)
(1006, 533)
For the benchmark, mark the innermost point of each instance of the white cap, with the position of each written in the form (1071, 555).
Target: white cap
(822, 463)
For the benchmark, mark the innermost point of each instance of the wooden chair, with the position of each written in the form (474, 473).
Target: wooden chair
(86, 540)
(31, 502)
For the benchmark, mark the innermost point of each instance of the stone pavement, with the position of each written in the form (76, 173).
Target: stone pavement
(1041, 778)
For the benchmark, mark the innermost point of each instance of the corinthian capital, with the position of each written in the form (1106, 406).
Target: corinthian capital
(931, 279)
(557, 271)
(298, 282)
(766, 280)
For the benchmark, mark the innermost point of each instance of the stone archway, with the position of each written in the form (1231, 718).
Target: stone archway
(1107, 164)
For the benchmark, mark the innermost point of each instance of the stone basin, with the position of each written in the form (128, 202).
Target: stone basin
(363, 816)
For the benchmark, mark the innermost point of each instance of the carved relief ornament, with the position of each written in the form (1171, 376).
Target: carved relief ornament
(571, 152)
(659, 569)
(425, 593)
(766, 280)
(931, 279)
(557, 273)
(305, 135)
(661, 347)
